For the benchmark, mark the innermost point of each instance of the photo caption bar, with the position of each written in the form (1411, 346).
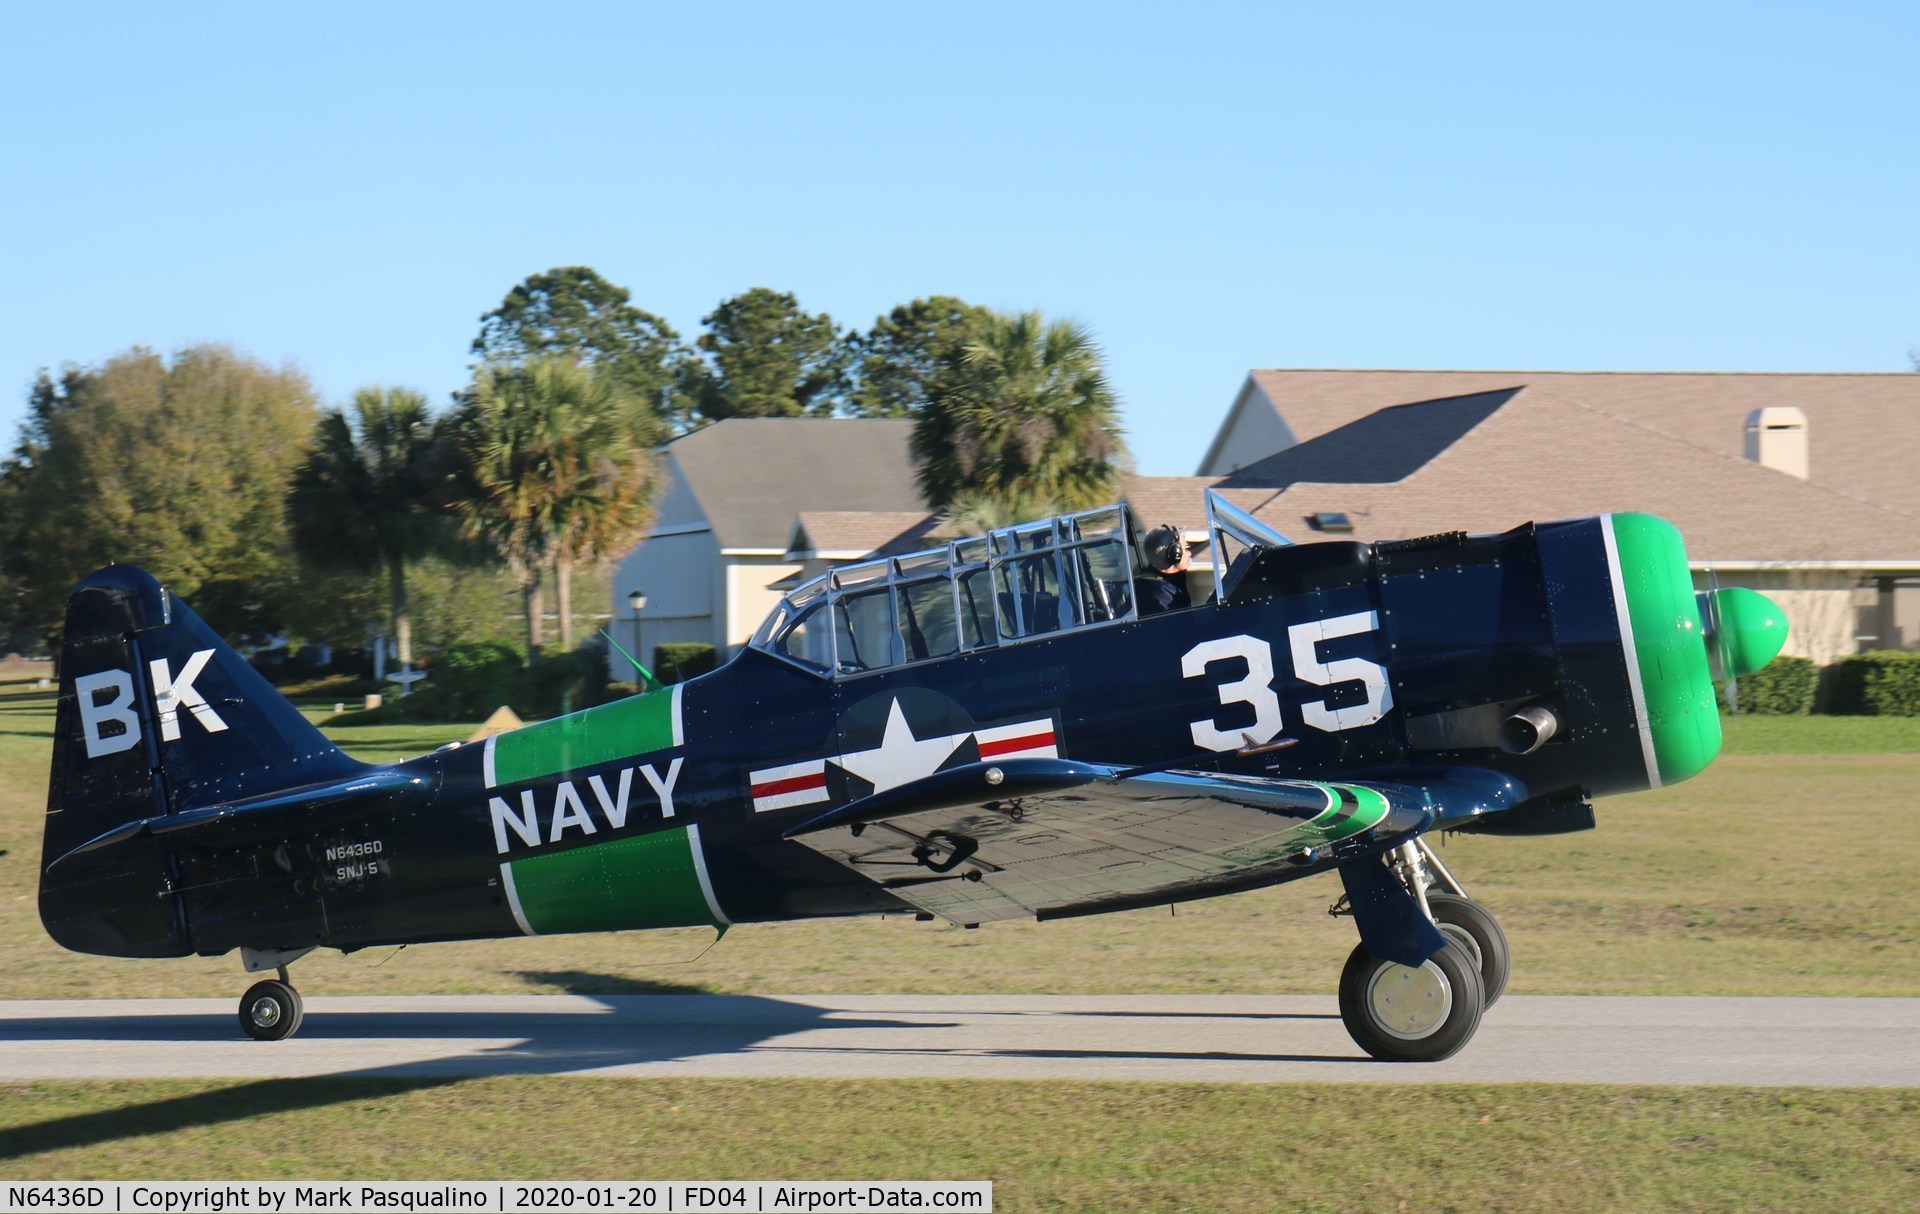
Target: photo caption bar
(494, 1196)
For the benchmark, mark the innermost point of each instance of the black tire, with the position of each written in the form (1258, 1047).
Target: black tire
(1447, 986)
(1458, 917)
(270, 1011)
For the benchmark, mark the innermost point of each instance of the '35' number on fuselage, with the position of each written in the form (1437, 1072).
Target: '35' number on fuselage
(1256, 689)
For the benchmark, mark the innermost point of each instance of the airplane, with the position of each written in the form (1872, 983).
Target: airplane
(986, 730)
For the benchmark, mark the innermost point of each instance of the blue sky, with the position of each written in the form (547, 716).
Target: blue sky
(1209, 187)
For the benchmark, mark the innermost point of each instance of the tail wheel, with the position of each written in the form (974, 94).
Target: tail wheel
(1422, 1013)
(1473, 927)
(270, 1011)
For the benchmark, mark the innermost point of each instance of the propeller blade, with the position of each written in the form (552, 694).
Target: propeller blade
(1721, 654)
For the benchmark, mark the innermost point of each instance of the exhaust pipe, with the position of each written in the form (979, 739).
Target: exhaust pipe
(1527, 730)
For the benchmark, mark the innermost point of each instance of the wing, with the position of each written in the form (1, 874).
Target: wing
(1049, 838)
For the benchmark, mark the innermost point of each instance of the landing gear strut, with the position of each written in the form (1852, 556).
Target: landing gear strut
(1464, 921)
(1425, 1012)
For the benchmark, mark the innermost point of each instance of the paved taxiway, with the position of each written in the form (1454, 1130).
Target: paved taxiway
(1235, 1038)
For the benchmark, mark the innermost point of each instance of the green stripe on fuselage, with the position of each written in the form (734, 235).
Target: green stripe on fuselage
(645, 881)
(1669, 645)
(637, 725)
(650, 880)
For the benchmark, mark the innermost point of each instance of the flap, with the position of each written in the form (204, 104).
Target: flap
(1050, 838)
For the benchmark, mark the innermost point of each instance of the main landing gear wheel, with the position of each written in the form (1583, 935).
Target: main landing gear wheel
(270, 1011)
(1473, 927)
(1401, 1013)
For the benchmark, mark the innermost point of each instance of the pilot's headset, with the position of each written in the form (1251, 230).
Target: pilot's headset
(1163, 547)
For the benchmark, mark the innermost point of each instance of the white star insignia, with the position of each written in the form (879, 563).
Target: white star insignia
(900, 758)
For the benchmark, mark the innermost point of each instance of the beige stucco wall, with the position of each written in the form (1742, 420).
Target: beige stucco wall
(748, 597)
(1904, 612)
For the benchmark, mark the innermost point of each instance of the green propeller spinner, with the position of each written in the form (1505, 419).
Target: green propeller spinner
(1747, 630)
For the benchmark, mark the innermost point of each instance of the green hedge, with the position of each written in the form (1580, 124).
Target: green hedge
(565, 682)
(1878, 683)
(679, 661)
(466, 682)
(1783, 687)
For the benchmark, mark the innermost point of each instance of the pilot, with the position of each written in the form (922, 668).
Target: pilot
(1165, 589)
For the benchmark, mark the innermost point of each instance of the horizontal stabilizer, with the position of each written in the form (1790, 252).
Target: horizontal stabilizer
(1050, 838)
(288, 812)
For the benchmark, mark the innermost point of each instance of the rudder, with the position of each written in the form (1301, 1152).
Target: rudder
(157, 715)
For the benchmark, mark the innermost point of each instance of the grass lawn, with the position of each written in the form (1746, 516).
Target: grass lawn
(1046, 1146)
(1820, 735)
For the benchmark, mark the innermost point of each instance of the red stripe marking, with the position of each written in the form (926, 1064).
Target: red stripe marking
(1032, 741)
(791, 784)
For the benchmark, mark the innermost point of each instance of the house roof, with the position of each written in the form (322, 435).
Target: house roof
(849, 534)
(855, 534)
(1388, 445)
(752, 476)
(1543, 452)
(852, 534)
(1176, 500)
(1860, 426)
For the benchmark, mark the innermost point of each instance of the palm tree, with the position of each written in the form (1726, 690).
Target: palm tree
(973, 512)
(1021, 417)
(362, 500)
(557, 471)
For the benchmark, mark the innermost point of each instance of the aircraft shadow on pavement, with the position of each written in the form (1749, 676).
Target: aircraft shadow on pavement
(544, 1043)
(585, 982)
(1115, 1013)
(1135, 1055)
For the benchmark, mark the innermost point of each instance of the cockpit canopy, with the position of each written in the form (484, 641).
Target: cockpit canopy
(1008, 586)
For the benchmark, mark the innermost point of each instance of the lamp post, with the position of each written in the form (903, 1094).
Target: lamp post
(637, 599)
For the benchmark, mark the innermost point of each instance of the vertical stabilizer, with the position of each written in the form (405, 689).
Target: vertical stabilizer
(157, 715)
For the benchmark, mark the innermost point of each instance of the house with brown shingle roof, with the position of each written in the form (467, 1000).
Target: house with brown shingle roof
(720, 543)
(754, 507)
(1803, 486)
(825, 539)
(1799, 485)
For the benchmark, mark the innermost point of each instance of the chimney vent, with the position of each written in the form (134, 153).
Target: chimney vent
(1777, 439)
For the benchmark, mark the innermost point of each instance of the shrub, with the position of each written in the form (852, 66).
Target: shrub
(679, 661)
(466, 682)
(564, 682)
(1783, 687)
(1880, 683)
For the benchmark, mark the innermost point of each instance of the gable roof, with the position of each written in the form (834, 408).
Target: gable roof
(1861, 427)
(1179, 501)
(1387, 445)
(753, 475)
(1544, 454)
(851, 534)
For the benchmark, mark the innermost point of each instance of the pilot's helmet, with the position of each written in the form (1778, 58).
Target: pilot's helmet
(1164, 547)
